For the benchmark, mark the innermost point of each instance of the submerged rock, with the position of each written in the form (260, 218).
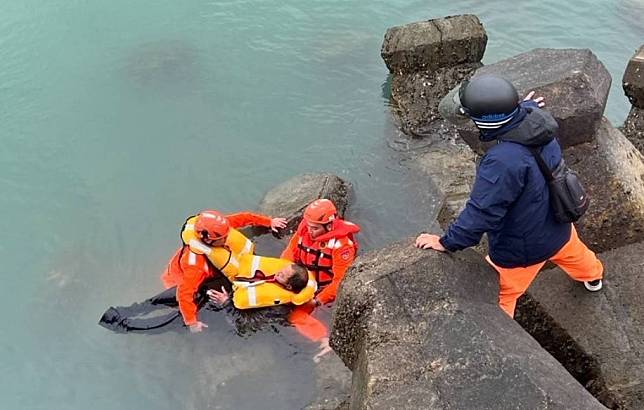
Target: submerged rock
(162, 64)
(598, 337)
(432, 44)
(422, 329)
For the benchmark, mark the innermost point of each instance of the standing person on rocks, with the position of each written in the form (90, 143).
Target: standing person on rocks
(211, 244)
(510, 197)
(325, 245)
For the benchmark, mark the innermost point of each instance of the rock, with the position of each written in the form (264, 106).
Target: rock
(633, 80)
(452, 169)
(426, 60)
(612, 171)
(599, 337)
(422, 329)
(574, 83)
(291, 197)
(428, 45)
(416, 97)
(633, 128)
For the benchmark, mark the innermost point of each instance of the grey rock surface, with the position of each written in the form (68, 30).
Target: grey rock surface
(426, 60)
(289, 199)
(598, 336)
(428, 45)
(416, 97)
(452, 169)
(633, 80)
(611, 169)
(422, 329)
(633, 128)
(574, 83)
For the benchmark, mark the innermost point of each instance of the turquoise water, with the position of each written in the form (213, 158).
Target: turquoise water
(121, 118)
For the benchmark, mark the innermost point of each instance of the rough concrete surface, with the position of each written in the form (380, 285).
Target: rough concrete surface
(574, 82)
(428, 45)
(598, 336)
(633, 80)
(422, 329)
(612, 171)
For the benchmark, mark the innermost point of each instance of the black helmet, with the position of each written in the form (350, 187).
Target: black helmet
(489, 101)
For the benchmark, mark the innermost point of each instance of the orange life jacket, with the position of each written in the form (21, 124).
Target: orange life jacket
(316, 255)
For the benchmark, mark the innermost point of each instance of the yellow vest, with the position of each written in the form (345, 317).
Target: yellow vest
(226, 258)
(247, 295)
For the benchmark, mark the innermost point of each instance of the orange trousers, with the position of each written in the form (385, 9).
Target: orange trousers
(307, 325)
(579, 262)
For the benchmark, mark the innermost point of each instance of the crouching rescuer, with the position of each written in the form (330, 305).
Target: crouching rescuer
(325, 245)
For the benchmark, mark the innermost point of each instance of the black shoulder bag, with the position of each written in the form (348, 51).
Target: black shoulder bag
(567, 196)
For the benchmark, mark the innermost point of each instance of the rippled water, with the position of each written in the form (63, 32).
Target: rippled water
(120, 118)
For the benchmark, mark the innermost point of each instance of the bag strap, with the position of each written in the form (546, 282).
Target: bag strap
(545, 169)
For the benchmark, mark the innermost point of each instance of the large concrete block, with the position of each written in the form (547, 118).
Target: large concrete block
(612, 171)
(428, 45)
(633, 80)
(452, 169)
(633, 128)
(422, 329)
(599, 337)
(574, 83)
(415, 97)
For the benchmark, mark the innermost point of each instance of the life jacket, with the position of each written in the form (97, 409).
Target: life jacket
(225, 258)
(248, 292)
(317, 255)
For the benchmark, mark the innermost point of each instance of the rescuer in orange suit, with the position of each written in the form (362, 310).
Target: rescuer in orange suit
(325, 245)
(187, 270)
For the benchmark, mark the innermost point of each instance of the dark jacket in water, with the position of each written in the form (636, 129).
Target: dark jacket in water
(510, 198)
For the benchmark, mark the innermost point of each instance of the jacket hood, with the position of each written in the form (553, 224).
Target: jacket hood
(531, 127)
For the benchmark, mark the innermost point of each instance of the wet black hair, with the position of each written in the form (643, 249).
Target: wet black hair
(299, 279)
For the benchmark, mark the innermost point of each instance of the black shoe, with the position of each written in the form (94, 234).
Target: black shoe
(593, 285)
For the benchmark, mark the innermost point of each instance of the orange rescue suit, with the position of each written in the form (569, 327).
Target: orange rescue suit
(188, 270)
(328, 257)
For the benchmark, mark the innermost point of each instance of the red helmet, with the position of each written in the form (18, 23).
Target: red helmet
(212, 225)
(320, 211)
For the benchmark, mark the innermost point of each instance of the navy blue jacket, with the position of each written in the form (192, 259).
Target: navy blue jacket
(510, 198)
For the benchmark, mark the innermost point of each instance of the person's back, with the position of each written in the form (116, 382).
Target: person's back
(510, 199)
(509, 180)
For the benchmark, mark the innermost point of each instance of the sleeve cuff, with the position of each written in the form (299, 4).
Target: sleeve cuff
(443, 241)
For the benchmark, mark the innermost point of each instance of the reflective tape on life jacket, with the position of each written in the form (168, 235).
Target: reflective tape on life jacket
(225, 258)
(264, 293)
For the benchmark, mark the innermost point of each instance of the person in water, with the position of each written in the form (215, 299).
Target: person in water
(218, 233)
(265, 289)
(510, 197)
(325, 245)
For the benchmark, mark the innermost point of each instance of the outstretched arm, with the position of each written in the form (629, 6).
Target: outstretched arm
(242, 219)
